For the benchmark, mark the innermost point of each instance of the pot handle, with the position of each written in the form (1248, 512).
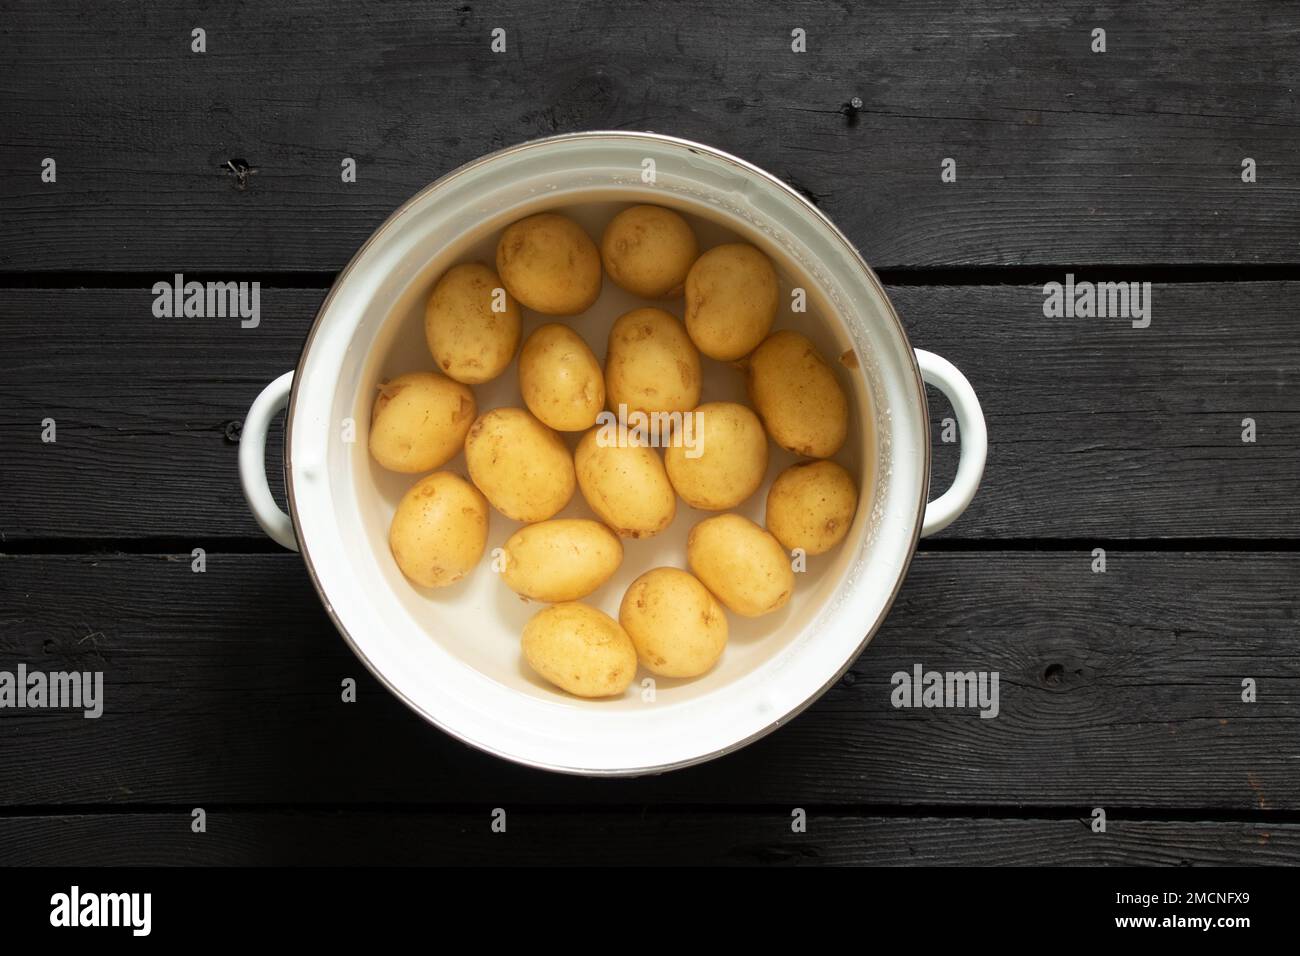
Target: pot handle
(252, 462)
(944, 376)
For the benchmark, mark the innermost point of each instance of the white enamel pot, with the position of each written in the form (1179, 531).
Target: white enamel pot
(453, 655)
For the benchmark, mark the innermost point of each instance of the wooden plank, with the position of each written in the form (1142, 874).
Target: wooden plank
(1098, 429)
(142, 409)
(651, 837)
(1120, 690)
(1063, 155)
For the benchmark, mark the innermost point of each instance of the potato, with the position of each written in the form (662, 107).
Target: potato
(651, 365)
(521, 465)
(550, 264)
(731, 301)
(797, 395)
(439, 530)
(730, 456)
(580, 649)
(626, 486)
(811, 505)
(561, 381)
(470, 341)
(741, 564)
(560, 560)
(419, 421)
(648, 250)
(677, 627)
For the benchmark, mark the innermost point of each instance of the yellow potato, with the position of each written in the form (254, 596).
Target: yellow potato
(742, 564)
(419, 421)
(521, 465)
(626, 486)
(651, 365)
(470, 340)
(648, 250)
(797, 395)
(731, 300)
(560, 379)
(580, 649)
(560, 560)
(677, 627)
(811, 505)
(439, 530)
(719, 458)
(550, 264)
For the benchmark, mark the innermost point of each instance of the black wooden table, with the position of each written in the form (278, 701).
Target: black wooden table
(1120, 690)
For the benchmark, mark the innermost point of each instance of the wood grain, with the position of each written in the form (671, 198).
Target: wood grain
(1120, 690)
(1097, 429)
(1064, 155)
(648, 837)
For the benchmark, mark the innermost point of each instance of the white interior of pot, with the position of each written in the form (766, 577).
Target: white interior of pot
(480, 619)
(454, 650)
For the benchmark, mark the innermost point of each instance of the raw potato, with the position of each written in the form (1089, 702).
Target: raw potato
(742, 564)
(811, 505)
(550, 264)
(731, 301)
(521, 465)
(580, 649)
(678, 628)
(470, 342)
(561, 560)
(797, 395)
(731, 450)
(648, 250)
(626, 486)
(439, 530)
(651, 365)
(560, 379)
(419, 421)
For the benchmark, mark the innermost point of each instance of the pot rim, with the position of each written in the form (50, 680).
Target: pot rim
(386, 226)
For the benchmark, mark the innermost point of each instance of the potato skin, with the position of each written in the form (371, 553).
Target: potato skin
(651, 365)
(648, 250)
(732, 458)
(522, 466)
(678, 629)
(470, 342)
(797, 395)
(741, 564)
(731, 300)
(626, 486)
(439, 530)
(549, 263)
(580, 650)
(561, 560)
(811, 505)
(561, 381)
(419, 421)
